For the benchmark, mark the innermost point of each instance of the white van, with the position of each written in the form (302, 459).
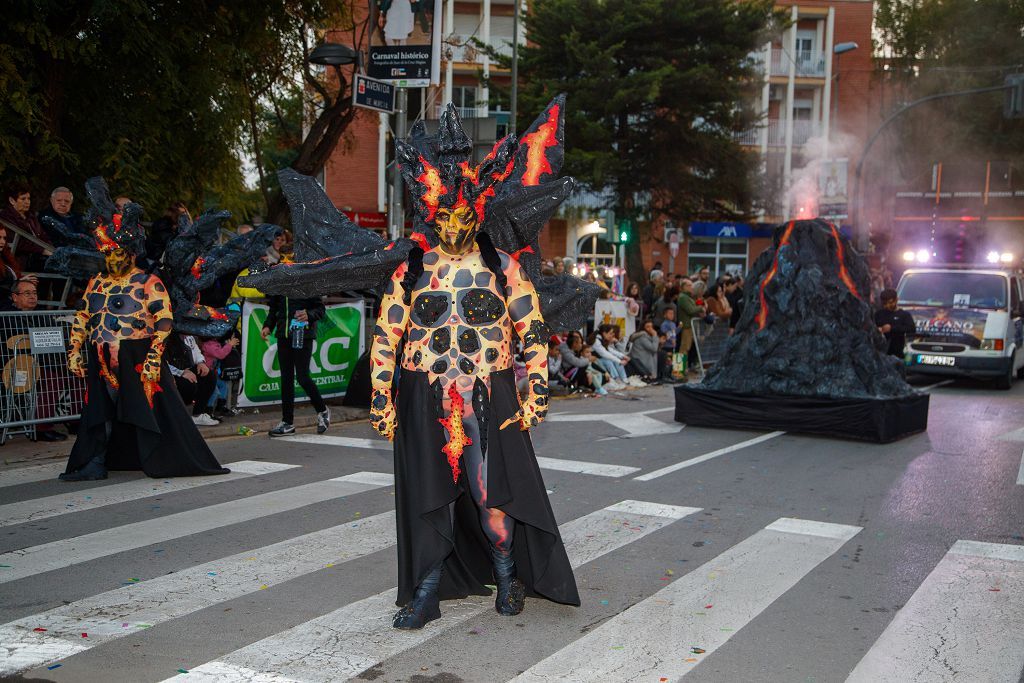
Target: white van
(969, 322)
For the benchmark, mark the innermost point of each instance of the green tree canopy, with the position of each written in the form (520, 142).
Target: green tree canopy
(934, 46)
(656, 90)
(160, 97)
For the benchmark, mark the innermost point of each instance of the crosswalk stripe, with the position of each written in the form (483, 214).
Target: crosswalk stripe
(707, 456)
(581, 467)
(671, 632)
(67, 552)
(1020, 472)
(966, 620)
(32, 473)
(92, 498)
(577, 466)
(349, 441)
(357, 636)
(129, 609)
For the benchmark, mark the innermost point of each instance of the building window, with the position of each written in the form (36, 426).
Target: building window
(721, 256)
(464, 99)
(595, 250)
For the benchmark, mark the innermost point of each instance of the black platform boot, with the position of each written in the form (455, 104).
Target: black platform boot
(425, 605)
(96, 469)
(511, 594)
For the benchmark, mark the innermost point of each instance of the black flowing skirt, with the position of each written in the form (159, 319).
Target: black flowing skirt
(162, 441)
(427, 533)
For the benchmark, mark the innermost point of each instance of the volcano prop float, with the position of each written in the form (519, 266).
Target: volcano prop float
(806, 355)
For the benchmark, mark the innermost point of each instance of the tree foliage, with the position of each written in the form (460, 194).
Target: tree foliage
(159, 96)
(656, 90)
(935, 46)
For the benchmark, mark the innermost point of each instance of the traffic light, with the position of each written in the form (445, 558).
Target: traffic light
(1013, 98)
(625, 231)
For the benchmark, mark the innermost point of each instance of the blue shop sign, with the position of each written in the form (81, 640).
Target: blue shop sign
(741, 230)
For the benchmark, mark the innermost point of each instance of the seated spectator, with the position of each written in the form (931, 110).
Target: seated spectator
(18, 212)
(557, 382)
(609, 358)
(120, 201)
(573, 365)
(10, 269)
(24, 298)
(643, 351)
(214, 351)
(598, 378)
(192, 376)
(59, 210)
(559, 267)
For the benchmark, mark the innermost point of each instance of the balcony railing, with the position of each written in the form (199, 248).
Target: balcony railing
(480, 112)
(809, 63)
(802, 132)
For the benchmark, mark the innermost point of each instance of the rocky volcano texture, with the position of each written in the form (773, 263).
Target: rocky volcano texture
(807, 327)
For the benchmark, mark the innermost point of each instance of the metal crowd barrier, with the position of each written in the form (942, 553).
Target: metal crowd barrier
(36, 386)
(709, 341)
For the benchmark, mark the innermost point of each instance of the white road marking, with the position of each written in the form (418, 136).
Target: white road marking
(132, 608)
(581, 467)
(671, 632)
(707, 456)
(943, 383)
(577, 466)
(966, 620)
(92, 498)
(635, 425)
(27, 475)
(349, 640)
(348, 441)
(1020, 471)
(1015, 435)
(67, 552)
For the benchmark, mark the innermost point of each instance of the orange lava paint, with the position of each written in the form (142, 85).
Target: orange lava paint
(197, 267)
(762, 315)
(431, 179)
(536, 153)
(843, 274)
(421, 240)
(457, 439)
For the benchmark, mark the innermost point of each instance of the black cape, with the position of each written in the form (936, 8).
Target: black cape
(162, 441)
(424, 489)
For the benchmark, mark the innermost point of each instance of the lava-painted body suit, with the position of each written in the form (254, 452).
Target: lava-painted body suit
(133, 417)
(459, 331)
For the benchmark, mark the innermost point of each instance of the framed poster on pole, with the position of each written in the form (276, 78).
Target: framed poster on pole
(405, 42)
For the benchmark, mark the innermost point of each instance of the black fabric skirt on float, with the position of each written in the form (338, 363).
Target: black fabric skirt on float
(162, 441)
(427, 532)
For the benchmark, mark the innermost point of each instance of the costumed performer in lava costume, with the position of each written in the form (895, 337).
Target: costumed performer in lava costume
(133, 417)
(470, 500)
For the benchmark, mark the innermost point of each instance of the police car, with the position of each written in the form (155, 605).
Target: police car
(969, 322)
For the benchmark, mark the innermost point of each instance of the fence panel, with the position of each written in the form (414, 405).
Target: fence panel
(709, 341)
(36, 386)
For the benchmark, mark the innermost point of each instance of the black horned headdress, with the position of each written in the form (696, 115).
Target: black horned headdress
(513, 192)
(82, 255)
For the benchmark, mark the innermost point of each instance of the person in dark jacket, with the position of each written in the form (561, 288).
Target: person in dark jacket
(894, 323)
(293, 323)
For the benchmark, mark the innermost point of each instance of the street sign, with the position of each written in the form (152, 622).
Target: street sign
(370, 93)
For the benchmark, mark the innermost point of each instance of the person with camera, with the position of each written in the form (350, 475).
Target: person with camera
(293, 323)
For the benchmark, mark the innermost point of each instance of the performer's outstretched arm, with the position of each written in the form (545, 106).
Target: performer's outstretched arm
(76, 362)
(387, 334)
(524, 310)
(158, 305)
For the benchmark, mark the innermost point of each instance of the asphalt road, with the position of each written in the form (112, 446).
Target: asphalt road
(710, 554)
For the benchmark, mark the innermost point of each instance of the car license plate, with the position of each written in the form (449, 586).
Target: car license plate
(936, 360)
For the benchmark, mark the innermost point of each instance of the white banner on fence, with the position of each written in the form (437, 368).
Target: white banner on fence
(609, 311)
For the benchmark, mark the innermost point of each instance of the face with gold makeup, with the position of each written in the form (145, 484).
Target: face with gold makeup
(456, 228)
(119, 262)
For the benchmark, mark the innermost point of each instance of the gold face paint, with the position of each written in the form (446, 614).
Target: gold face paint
(119, 262)
(456, 229)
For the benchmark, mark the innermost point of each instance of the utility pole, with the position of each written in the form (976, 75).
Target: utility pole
(396, 214)
(515, 68)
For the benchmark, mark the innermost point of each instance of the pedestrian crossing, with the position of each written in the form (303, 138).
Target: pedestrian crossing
(964, 621)
(136, 489)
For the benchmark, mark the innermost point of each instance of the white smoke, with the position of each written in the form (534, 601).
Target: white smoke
(805, 186)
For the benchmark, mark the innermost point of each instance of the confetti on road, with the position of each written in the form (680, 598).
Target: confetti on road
(54, 666)
(39, 630)
(697, 650)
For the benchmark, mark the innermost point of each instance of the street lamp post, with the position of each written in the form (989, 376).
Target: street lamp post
(840, 49)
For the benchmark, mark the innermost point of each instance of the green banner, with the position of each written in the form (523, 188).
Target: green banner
(340, 338)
